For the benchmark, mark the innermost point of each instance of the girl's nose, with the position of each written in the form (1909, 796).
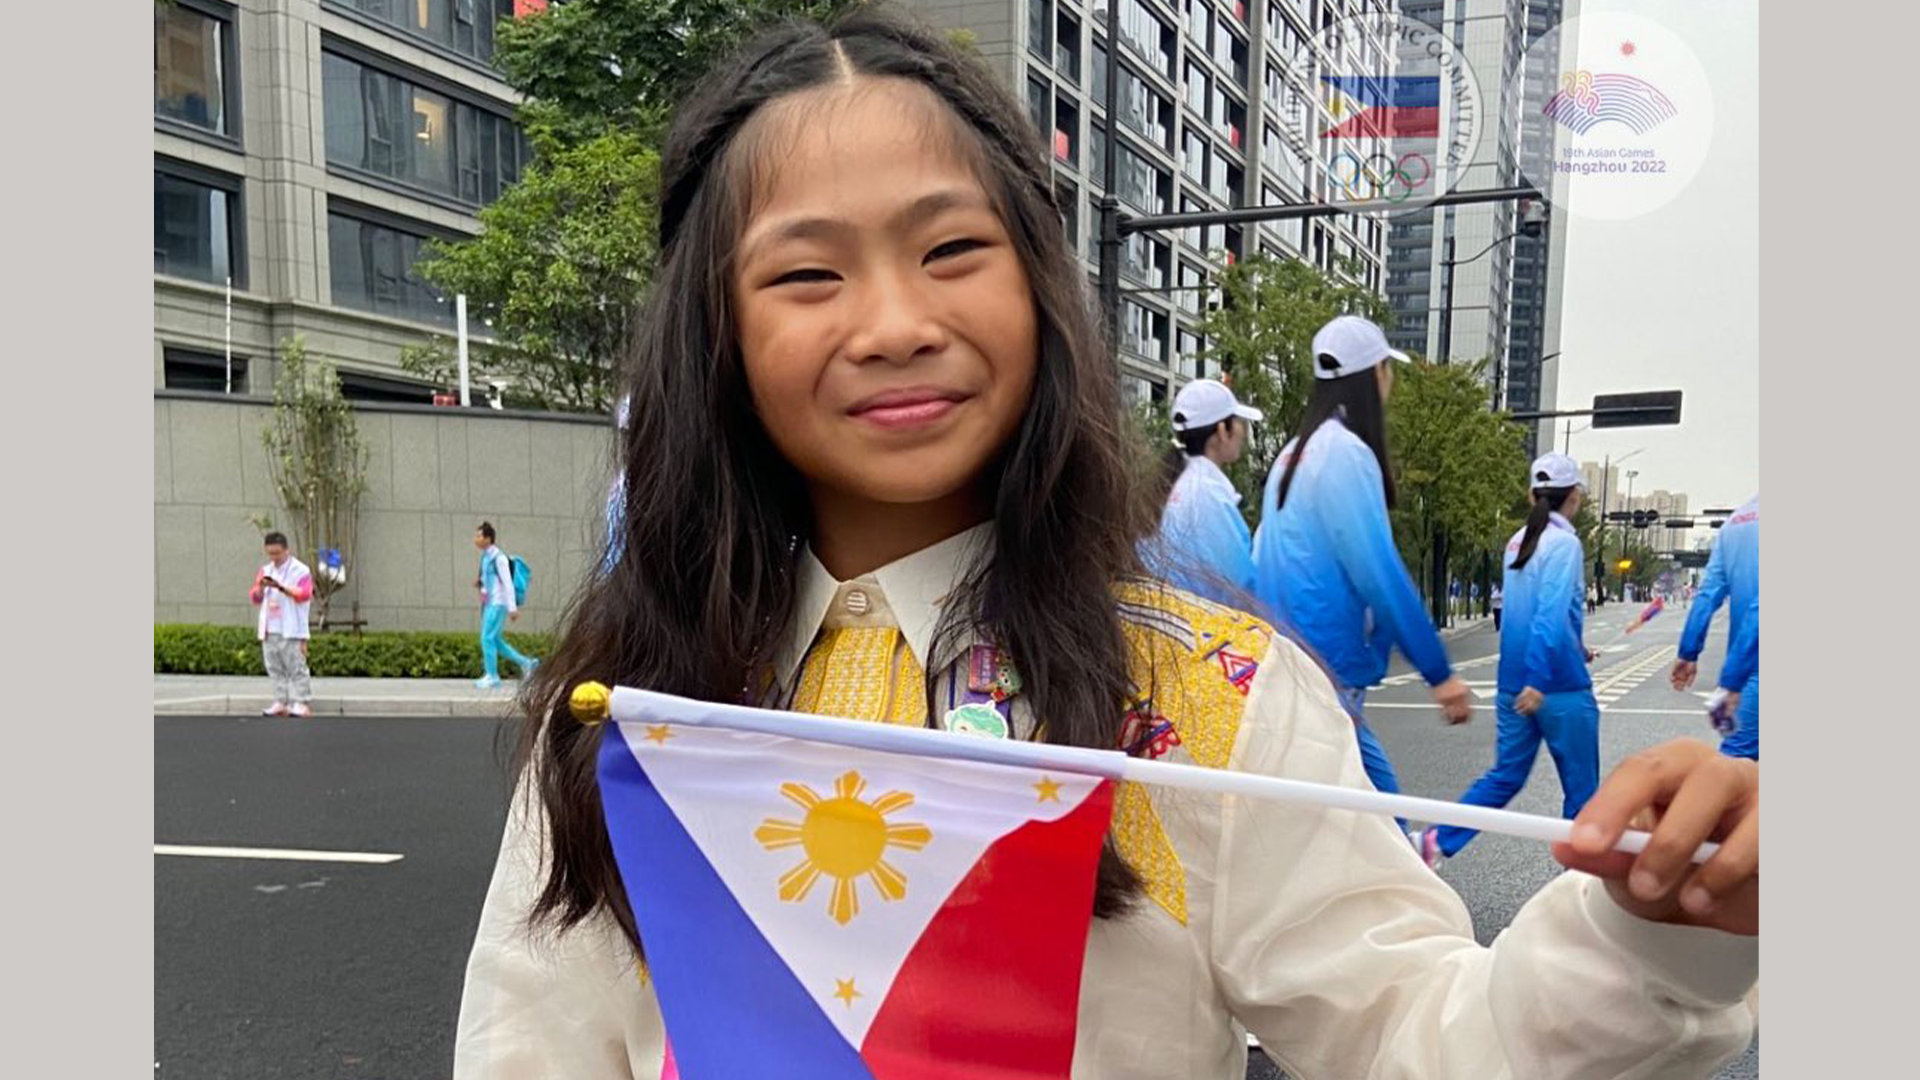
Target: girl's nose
(896, 321)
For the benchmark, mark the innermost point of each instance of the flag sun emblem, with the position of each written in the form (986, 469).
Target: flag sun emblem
(846, 838)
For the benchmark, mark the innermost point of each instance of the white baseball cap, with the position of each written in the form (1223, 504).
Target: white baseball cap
(1348, 344)
(1555, 471)
(1203, 403)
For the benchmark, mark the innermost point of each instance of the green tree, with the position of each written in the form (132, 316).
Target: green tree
(1261, 335)
(564, 258)
(592, 66)
(317, 462)
(559, 268)
(1457, 467)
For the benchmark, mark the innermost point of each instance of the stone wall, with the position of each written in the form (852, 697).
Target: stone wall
(432, 474)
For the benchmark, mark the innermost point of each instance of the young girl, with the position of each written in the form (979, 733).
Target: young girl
(1545, 692)
(874, 432)
(1324, 555)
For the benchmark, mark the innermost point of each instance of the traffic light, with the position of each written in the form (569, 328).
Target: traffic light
(1637, 409)
(1625, 565)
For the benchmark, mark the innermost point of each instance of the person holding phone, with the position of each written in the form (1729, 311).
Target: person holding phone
(283, 590)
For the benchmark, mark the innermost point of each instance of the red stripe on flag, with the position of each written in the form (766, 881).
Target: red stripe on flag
(1001, 959)
(1388, 122)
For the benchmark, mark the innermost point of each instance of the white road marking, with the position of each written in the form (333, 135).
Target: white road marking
(289, 854)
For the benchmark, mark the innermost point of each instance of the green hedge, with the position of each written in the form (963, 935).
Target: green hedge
(393, 654)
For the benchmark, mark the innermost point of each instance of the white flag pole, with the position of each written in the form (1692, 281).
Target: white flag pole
(229, 333)
(645, 706)
(460, 320)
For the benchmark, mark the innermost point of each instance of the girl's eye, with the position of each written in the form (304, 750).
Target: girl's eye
(806, 276)
(954, 247)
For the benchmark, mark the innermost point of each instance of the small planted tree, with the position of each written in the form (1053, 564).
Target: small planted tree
(318, 465)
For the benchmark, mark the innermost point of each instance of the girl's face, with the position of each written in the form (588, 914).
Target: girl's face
(885, 319)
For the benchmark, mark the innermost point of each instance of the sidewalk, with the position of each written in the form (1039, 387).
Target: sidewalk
(1464, 623)
(243, 695)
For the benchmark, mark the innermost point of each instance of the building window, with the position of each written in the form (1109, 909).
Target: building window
(355, 386)
(1144, 331)
(373, 270)
(1066, 46)
(1136, 180)
(383, 124)
(195, 223)
(1144, 110)
(1145, 261)
(193, 53)
(1039, 103)
(1066, 130)
(1067, 198)
(190, 369)
(1189, 347)
(1193, 155)
(1040, 28)
(464, 26)
(1149, 37)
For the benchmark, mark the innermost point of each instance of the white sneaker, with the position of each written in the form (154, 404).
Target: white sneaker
(278, 708)
(486, 682)
(1427, 843)
(300, 709)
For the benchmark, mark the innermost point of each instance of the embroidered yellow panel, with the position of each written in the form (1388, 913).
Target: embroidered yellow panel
(1194, 661)
(863, 673)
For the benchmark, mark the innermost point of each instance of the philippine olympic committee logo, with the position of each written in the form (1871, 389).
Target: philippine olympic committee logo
(1385, 107)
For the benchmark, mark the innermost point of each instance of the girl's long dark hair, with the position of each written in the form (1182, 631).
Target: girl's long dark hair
(1547, 501)
(1355, 399)
(703, 589)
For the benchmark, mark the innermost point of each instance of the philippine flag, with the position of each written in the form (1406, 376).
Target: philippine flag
(819, 911)
(1384, 106)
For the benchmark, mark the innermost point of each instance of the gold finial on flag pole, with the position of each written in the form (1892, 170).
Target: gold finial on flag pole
(589, 703)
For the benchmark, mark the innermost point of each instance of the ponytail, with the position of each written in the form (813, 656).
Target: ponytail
(1545, 501)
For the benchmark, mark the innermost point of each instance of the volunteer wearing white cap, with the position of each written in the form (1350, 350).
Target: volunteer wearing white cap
(1204, 545)
(1545, 692)
(1324, 554)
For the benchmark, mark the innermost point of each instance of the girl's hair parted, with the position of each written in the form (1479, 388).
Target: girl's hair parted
(704, 586)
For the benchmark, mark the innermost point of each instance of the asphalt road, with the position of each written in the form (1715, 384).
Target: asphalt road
(268, 969)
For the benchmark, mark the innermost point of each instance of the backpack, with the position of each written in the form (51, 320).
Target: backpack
(522, 575)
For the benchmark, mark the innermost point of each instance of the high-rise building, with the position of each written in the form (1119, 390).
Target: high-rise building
(304, 151)
(1506, 286)
(1216, 111)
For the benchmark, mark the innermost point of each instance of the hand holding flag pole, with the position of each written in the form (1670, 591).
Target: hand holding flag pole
(592, 703)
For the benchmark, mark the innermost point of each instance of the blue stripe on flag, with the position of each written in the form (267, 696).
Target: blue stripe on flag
(1404, 91)
(732, 1006)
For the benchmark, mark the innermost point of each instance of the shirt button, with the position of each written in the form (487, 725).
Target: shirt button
(857, 602)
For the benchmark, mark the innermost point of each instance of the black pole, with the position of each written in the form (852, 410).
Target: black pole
(1109, 201)
(1438, 573)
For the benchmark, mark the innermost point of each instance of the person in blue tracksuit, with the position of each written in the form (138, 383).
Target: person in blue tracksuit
(1545, 692)
(1203, 545)
(1732, 578)
(1324, 559)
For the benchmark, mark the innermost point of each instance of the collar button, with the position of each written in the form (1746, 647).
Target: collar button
(857, 602)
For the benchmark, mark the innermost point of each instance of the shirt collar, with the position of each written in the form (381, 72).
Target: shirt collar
(1557, 518)
(914, 589)
(1203, 470)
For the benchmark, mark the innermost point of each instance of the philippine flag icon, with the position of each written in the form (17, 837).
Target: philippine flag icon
(1384, 106)
(819, 911)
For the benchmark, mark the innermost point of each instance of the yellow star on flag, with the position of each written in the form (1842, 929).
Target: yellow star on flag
(659, 733)
(846, 992)
(1049, 789)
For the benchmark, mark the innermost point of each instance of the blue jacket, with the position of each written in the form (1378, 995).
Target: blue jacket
(1541, 642)
(1732, 578)
(1202, 535)
(1326, 563)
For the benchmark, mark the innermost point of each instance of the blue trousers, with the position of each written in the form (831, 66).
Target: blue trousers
(1569, 723)
(1745, 741)
(1373, 756)
(493, 642)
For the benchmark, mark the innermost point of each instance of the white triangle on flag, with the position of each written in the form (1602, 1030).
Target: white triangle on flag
(739, 796)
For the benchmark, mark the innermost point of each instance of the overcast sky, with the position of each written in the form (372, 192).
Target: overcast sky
(1670, 300)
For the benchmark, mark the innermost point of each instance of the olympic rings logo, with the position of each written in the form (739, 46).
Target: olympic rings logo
(1379, 175)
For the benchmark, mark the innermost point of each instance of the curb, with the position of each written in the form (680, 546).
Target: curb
(472, 708)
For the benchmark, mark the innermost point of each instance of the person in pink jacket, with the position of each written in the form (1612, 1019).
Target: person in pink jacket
(283, 590)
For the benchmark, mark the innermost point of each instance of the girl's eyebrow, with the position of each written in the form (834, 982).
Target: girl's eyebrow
(907, 217)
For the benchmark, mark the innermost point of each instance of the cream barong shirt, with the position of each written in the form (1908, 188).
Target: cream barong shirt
(1319, 931)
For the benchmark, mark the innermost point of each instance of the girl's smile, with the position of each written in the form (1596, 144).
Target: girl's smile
(912, 409)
